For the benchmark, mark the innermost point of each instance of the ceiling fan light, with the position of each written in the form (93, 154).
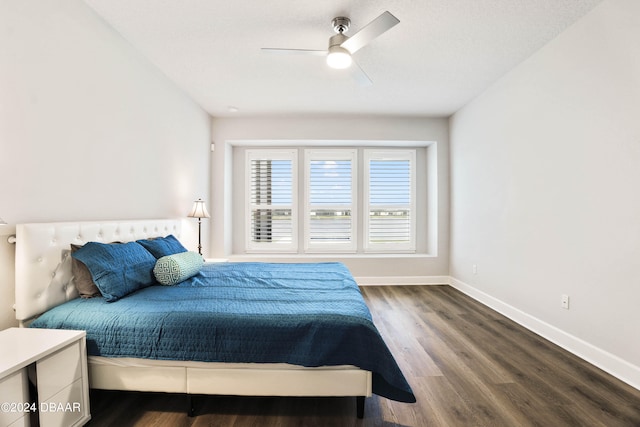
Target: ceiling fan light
(338, 58)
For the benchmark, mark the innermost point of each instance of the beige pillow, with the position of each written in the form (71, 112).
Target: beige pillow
(82, 277)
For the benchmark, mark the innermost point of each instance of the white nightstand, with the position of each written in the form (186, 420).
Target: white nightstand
(60, 361)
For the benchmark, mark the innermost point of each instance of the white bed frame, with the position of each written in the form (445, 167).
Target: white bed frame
(43, 281)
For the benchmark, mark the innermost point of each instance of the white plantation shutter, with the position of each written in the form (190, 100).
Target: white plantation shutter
(272, 189)
(330, 200)
(390, 200)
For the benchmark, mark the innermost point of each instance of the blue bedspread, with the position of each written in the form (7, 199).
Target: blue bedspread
(303, 314)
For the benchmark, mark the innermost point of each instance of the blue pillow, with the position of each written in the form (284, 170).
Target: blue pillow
(172, 269)
(117, 269)
(163, 246)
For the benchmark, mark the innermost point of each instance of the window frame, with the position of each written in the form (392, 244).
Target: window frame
(329, 154)
(300, 208)
(391, 155)
(271, 154)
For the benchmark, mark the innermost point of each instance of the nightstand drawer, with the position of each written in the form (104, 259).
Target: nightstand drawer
(14, 392)
(58, 371)
(64, 408)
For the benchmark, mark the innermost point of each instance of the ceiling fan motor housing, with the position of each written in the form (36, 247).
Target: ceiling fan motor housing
(341, 24)
(337, 40)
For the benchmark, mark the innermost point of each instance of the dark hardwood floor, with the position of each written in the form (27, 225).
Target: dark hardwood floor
(468, 366)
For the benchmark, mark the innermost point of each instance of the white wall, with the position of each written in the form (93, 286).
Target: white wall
(89, 129)
(400, 269)
(545, 168)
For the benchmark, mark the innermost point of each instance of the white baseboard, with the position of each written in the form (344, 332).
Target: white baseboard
(608, 362)
(402, 280)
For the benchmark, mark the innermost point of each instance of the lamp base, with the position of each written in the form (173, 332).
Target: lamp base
(199, 236)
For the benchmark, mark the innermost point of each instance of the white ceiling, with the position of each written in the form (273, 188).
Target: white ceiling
(441, 55)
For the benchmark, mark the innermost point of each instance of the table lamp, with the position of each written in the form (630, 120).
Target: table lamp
(199, 211)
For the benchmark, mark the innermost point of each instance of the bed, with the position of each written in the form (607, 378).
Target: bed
(248, 329)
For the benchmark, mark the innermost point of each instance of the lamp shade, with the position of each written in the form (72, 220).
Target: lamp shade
(199, 210)
(2, 222)
(338, 58)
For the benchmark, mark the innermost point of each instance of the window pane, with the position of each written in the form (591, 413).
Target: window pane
(271, 182)
(330, 182)
(390, 200)
(389, 182)
(330, 225)
(330, 193)
(271, 188)
(271, 226)
(389, 226)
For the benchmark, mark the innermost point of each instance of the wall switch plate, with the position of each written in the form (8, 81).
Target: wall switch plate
(564, 301)
(475, 268)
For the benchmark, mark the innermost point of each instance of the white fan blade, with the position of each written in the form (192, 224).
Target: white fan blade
(294, 51)
(372, 30)
(359, 75)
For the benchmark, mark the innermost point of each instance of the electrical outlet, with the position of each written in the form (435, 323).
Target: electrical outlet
(564, 301)
(475, 268)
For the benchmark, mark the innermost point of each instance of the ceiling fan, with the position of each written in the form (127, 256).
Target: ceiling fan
(342, 47)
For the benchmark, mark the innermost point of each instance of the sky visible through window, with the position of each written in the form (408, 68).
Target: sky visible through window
(389, 182)
(331, 182)
(281, 182)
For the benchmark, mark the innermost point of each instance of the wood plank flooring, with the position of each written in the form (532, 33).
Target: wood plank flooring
(468, 366)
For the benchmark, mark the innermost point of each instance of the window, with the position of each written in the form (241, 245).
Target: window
(390, 200)
(326, 203)
(272, 189)
(330, 200)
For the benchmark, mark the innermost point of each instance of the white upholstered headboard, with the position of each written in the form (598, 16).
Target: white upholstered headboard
(43, 261)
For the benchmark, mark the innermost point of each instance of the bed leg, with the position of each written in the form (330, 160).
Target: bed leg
(360, 406)
(191, 410)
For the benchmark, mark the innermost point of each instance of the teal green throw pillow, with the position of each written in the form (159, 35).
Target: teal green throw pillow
(172, 269)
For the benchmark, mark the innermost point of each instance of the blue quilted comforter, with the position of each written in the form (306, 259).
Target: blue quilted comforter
(303, 314)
